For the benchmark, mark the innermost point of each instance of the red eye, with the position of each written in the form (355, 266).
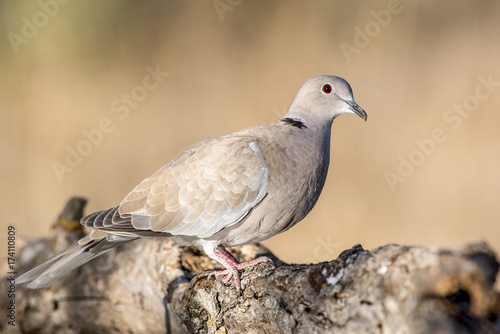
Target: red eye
(327, 89)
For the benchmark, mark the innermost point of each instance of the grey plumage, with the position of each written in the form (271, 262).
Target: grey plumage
(73, 258)
(241, 188)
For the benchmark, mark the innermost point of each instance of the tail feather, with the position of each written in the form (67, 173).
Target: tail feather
(73, 258)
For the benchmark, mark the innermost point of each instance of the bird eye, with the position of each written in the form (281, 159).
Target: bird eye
(327, 89)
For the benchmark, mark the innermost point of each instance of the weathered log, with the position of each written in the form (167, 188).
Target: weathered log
(156, 286)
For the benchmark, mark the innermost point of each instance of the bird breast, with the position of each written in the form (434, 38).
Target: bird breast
(298, 165)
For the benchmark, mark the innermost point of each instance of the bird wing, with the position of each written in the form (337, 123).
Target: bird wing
(207, 187)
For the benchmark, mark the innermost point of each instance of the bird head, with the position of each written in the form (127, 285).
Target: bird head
(324, 97)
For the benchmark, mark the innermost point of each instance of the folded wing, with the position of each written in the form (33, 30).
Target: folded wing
(207, 187)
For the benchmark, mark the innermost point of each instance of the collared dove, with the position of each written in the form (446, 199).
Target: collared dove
(241, 188)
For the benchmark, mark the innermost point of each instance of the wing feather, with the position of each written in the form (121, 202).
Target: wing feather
(209, 186)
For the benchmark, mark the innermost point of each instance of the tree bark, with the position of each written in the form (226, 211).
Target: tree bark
(156, 286)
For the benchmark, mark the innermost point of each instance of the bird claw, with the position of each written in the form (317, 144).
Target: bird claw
(226, 278)
(228, 274)
(234, 271)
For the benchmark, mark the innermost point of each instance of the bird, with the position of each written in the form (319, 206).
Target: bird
(241, 188)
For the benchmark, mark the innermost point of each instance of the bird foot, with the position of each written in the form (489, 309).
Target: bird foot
(240, 266)
(233, 266)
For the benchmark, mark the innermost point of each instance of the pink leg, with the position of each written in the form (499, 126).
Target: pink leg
(221, 255)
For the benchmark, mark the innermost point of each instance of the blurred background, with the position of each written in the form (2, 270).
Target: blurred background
(97, 95)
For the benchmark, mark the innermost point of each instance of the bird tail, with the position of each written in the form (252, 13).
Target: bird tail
(86, 250)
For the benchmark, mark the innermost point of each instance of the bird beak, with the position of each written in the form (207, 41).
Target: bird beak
(355, 109)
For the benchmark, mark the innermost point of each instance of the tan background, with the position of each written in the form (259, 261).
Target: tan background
(243, 67)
